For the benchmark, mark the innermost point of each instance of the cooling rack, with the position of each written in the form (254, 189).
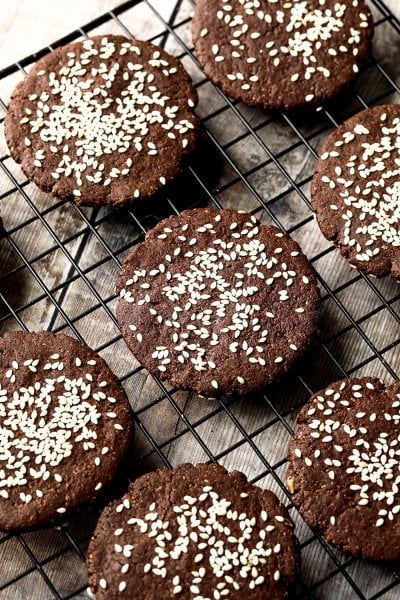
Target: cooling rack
(58, 269)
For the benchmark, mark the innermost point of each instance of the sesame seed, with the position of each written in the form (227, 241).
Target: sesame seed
(203, 522)
(84, 109)
(370, 452)
(302, 34)
(190, 270)
(57, 403)
(366, 202)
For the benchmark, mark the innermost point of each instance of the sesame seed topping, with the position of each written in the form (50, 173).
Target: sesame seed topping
(51, 408)
(362, 447)
(366, 208)
(210, 281)
(217, 540)
(295, 36)
(97, 106)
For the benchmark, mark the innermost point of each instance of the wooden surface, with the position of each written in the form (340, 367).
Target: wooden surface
(28, 25)
(53, 278)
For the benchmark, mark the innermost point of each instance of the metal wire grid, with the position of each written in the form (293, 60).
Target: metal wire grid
(38, 557)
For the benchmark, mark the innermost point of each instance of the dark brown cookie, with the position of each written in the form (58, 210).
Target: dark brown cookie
(345, 467)
(215, 302)
(193, 532)
(103, 121)
(65, 425)
(356, 190)
(282, 53)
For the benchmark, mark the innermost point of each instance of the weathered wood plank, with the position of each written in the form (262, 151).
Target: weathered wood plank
(219, 426)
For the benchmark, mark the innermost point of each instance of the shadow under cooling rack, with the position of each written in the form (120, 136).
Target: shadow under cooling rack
(60, 263)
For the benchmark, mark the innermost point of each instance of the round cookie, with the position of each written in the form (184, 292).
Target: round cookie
(65, 425)
(282, 53)
(356, 190)
(193, 532)
(217, 303)
(107, 120)
(345, 467)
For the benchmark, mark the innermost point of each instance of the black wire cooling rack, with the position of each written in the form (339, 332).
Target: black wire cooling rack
(58, 269)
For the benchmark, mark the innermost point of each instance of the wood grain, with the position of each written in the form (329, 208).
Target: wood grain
(251, 435)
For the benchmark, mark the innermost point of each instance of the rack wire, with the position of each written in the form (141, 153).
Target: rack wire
(60, 262)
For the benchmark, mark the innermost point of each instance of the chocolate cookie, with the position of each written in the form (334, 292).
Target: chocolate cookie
(282, 53)
(193, 532)
(65, 425)
(345, 467)
(217, 303)
(103, 121)
(356, 190)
